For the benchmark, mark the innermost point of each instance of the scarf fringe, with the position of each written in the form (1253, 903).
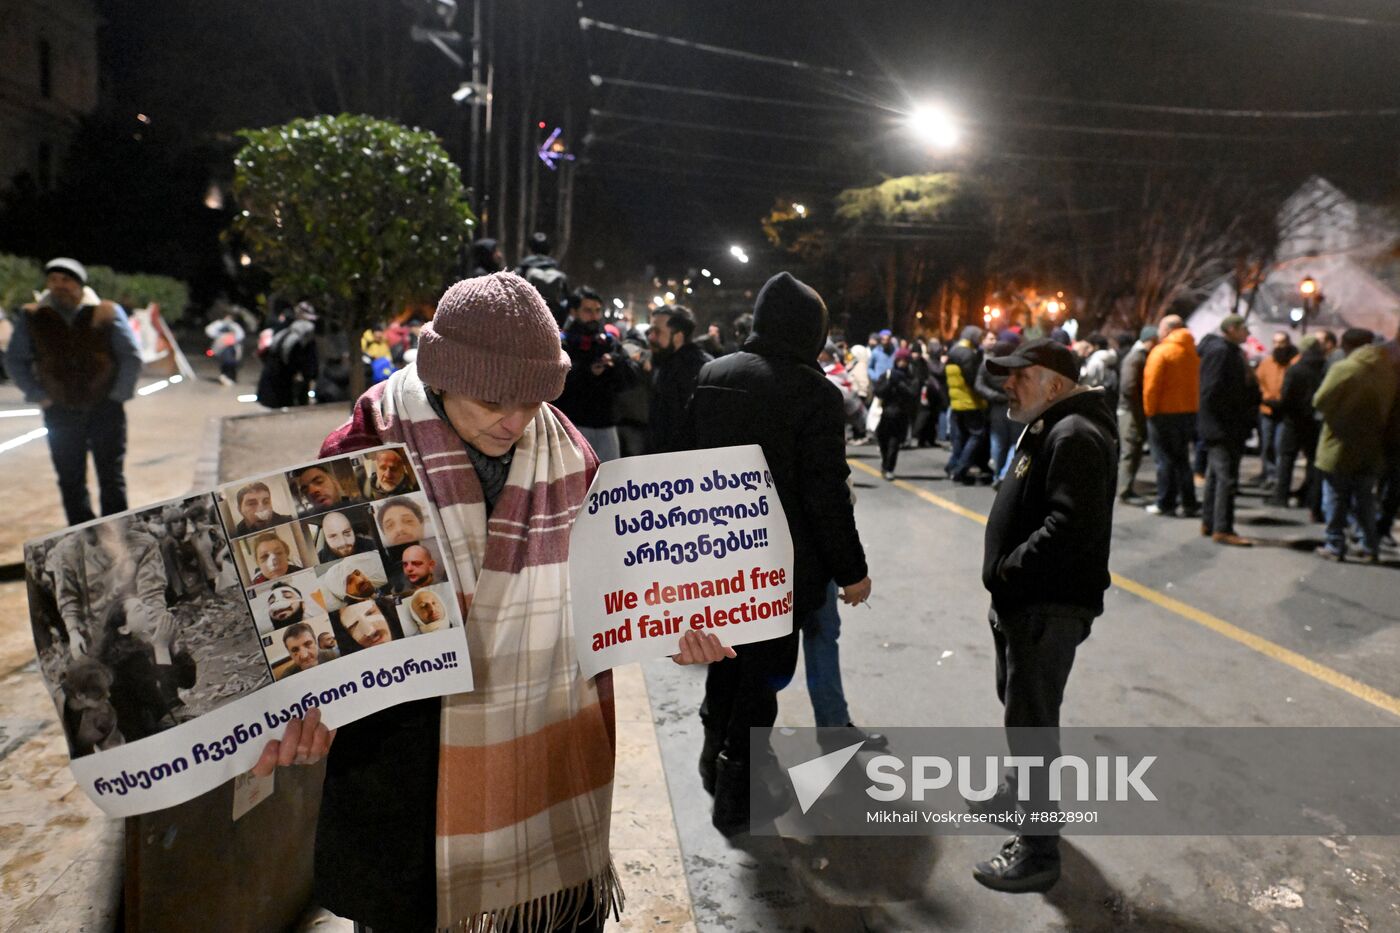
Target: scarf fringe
(559, 910)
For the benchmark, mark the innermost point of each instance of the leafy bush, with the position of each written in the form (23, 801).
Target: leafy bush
(358, 215)
(21, 277)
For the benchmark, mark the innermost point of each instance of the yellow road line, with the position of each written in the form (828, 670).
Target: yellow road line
(1293, 659)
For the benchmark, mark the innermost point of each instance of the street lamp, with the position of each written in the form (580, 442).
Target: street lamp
(1312, 298)
(800, 209)
(738, 253)
(935, 126)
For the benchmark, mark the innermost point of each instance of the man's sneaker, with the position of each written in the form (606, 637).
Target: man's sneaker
(1019, 869)
(1388, 542)
(888, 475)
(1190, 511)
(1327, 553)
(1155, 509)
(1368, 557)
(1231, 539)
(1205, 530)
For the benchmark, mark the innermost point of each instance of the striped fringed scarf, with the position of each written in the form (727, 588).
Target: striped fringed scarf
(526, 761)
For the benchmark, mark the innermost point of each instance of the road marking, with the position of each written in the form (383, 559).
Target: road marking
(23, 439)
(1331, 677)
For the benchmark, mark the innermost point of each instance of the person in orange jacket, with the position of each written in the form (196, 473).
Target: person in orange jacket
(1270, 373)
(1170, 398)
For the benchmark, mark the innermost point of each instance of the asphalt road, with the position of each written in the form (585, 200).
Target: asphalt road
(1193, 634)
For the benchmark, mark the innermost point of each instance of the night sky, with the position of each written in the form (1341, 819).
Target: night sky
(1033, 79)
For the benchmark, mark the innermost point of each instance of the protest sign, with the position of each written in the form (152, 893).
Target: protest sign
(671, 542)
(178, 639)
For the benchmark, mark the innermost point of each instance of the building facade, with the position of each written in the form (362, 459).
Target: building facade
(48, 83)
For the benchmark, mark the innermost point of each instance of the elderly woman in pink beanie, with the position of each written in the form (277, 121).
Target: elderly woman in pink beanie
(488, 809)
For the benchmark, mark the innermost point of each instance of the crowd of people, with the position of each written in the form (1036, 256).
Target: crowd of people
(1060, 428)
(1194, 408)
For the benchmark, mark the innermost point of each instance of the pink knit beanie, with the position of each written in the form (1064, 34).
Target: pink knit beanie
(493, 339)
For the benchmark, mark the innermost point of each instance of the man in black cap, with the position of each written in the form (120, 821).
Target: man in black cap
(773, 393)
(76, 357)
(1046, 567)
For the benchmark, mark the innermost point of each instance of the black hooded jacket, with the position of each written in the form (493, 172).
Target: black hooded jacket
(774, 394)
(1048, 534)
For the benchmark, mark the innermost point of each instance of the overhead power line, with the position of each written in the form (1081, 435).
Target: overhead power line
(1338, 18)
(1223, 112)
(600, 80)
(993, 124)
(707, 127)
(586, 23)
(1206, 111)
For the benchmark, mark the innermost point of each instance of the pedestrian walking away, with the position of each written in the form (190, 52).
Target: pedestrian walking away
(772, 393)
(968, 409)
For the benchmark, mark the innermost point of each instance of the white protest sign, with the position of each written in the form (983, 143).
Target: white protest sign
(178, 639)
(672, 542)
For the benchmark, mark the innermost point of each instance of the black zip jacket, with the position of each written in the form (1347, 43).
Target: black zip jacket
(1048, 534)
(1229, 408)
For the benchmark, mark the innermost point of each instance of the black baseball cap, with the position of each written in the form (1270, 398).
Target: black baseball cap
(1051, 354)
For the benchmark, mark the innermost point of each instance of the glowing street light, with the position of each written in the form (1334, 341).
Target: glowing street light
(1312, 298)
(1052, 307)
(800, 209)
(658, 301)
(670, 296)
(738, 253)
(715, 280)
(705, 273)
(935, 126)
(617, 303)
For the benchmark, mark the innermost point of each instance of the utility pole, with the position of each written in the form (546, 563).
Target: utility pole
(472, 160)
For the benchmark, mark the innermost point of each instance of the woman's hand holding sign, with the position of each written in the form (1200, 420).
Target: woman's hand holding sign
(304, 742)
(701, 648)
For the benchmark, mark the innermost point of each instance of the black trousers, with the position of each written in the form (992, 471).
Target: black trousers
(891, 433)
(73, 432)
(1035, 649)
(1222, 481)
(741, 693)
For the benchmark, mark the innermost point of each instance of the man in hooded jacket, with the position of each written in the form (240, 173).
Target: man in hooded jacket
(773, 393)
